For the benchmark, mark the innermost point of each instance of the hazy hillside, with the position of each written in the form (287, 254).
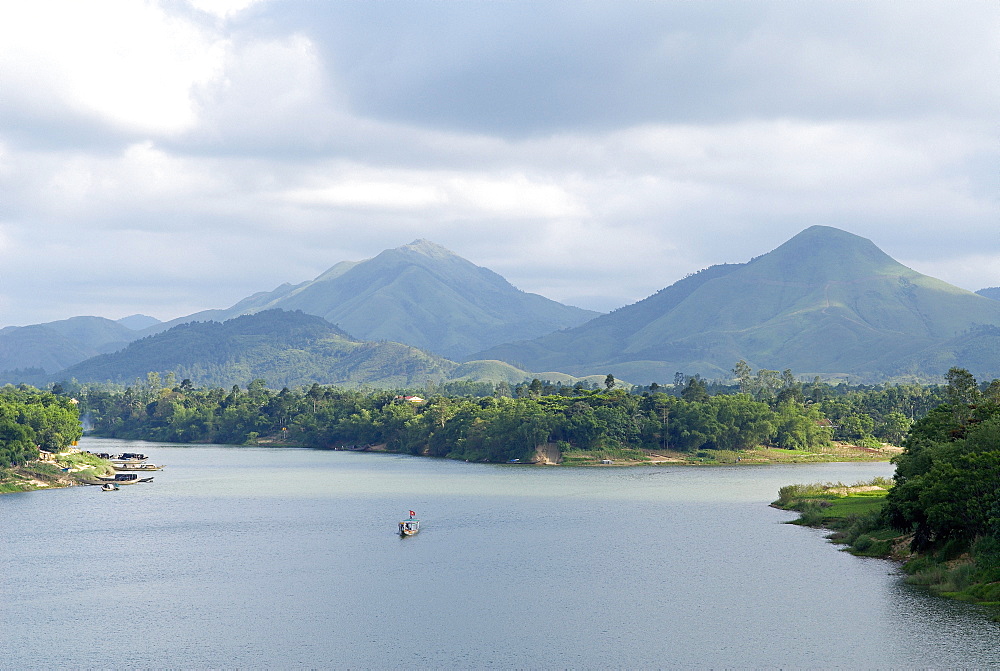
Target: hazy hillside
(56, 345)
(990, 292)
(283, 348)
(825, 302)
(420, 294)
(138, 322)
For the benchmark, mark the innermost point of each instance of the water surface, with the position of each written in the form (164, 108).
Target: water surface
(254, 557)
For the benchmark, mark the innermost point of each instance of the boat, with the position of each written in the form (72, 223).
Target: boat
(123, 479)
(409, 527)
(129, 458)
(137, 467)
(109, 487)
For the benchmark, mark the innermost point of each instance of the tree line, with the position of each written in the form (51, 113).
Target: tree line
(500, 423)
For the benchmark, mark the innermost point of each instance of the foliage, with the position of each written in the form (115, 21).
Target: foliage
(948, 476)
(289, 348)
(498, 427)
(30, 419)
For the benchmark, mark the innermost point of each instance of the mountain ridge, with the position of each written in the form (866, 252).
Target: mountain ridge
(420, 294)
(824, 302)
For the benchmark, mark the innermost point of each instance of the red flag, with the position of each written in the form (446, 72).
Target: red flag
(412, 514)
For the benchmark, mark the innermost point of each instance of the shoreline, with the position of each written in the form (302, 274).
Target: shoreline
(68, 469)
(852, 515)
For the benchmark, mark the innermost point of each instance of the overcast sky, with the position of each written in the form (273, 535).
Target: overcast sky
(167, 157)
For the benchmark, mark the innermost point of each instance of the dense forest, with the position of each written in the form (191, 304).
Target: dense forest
(947, 489)
(31, 419)
(481, 422)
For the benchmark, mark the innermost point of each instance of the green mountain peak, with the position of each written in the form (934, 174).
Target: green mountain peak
(824, 302)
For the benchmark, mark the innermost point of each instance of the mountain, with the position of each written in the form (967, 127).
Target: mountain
(990, 292)
(283, 348)
(419, 294)
(825, 302)
(56, 345)
(138, 322)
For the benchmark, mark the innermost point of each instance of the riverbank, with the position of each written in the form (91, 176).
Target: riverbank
(837, 452)
(853, 513)
(550, 454)
(68, 469)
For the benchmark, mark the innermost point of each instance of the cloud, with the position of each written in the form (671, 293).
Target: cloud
(125, 64)
(166, 157)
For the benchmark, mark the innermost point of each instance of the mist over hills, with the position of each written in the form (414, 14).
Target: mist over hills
(826, 302)
(56, 345)
(990, 292)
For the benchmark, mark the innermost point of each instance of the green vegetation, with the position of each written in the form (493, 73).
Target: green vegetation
(777, 418)
(31, 419)
(290, 348)
(610, 423)
(942, 514)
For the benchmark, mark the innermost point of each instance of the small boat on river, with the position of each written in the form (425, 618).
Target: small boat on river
(137, 467)
(129, 458)
(409, 527)
(123, 479)
(109, 487)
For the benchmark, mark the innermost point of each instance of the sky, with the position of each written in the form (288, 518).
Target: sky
(167, 157)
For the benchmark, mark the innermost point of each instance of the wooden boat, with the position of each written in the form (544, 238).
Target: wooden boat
(124, 479)
(410, 526)
(129, 458)
(137, 467)
(109, 487)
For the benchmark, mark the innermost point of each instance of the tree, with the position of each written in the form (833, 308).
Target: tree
(609, 382)
(695, 389)
(962, 392)
(743, 374)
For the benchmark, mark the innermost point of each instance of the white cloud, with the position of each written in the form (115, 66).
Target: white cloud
(130, 64)
(222, 8)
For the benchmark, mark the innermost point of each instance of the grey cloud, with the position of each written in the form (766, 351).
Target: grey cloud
(528, 68)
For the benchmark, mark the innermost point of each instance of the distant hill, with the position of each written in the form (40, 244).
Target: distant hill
(56, 345)
(419, 294)
(138, 322)
(825, 302)
(990, 292)
(283, 348)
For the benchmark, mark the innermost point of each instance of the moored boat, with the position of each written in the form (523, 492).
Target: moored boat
(122, 479)
(129, 458)
(137, 467)
(109, 487)
(410, 526)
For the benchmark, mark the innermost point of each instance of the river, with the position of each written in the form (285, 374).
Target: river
(287, 558)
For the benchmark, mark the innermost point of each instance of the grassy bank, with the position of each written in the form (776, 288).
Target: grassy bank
(68, 469)
(854, 514)
(838, 452)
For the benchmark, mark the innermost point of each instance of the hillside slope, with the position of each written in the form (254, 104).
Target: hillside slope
(56, 345)
(825, 302)
(419, 294)
(283, 348)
